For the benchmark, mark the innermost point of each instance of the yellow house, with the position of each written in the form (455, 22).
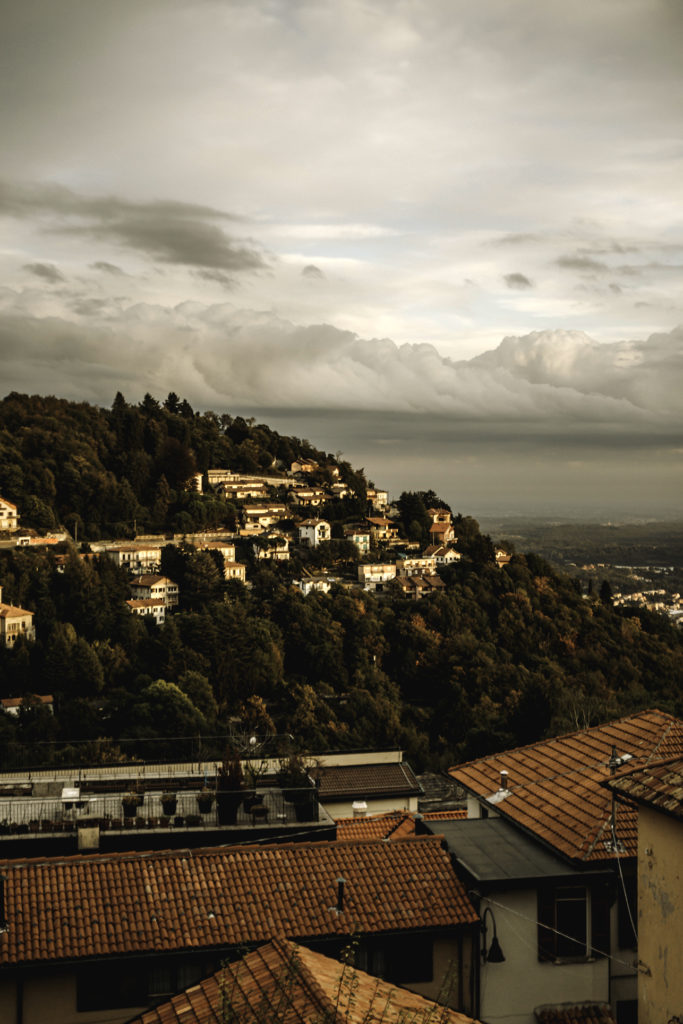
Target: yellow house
(657, 789)
(15, 622)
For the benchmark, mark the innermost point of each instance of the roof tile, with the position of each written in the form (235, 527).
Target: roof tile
(111, 904)
(556, 787)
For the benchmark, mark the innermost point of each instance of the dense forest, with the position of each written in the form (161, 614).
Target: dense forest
(500, 656)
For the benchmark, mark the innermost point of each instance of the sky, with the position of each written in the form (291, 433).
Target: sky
(442, 237)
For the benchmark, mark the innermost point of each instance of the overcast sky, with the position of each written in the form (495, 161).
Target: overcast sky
(462, 220)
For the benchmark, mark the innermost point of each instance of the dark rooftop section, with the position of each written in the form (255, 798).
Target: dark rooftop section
(659, 786)
(491, 850)
(360, 781)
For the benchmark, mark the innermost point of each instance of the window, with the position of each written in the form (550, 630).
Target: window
(573, 922)
(399, 959)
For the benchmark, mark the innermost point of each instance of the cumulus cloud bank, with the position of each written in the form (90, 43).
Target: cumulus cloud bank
(222, 357)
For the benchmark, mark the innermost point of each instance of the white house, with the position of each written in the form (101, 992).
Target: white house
(151, 585)
(154, 606)
(313, 532)
(422, 566)
(273, 546)
(374, 577)
(313, 584)
(9, 516)
(137, 558)
(359, 537)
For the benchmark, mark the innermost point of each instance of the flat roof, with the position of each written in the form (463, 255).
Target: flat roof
(491, 850)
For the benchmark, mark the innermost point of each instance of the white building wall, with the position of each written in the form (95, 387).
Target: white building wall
(510, 991)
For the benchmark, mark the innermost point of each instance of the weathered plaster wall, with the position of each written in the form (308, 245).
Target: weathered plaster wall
(660, 917)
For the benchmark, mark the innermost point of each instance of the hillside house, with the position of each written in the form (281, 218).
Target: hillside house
(272, 546)
(154, 606)
(266, 514)
(359, 537)
(424, 565)
(657, 791)
(541, 846)
(339, 490)
(378, 499)
(214, 477)
(9, 516)
(223, 547)
(376, 576)
(14, 623)
(313, 532)
(136, 558)
(14, 705)
(242, 489)
(416, 587)
(235, 571)
(502, 557)
(378, 787)
(303, 466)
(444, 555)
(308, 497)
(108, 935)
(313, 585)
(382, 529)
(155, 587)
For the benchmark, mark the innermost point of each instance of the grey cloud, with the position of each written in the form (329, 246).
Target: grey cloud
(520, 238)
(581, 263)
(313, 272)
(48, 271)
(615, 288)
(217, 276)
(517, 280)
(107, 268)
(173, 232)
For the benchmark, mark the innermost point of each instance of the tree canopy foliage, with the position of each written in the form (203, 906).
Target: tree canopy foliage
(499, 657)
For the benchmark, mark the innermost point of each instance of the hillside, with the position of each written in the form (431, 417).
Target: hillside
(495, 656)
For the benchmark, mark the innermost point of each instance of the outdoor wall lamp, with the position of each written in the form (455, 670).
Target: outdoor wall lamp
(494, 955)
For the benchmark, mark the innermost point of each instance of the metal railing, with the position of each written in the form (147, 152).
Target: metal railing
(262, 807)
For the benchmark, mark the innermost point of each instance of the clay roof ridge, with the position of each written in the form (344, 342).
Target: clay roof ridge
(580, 734)
(309, 980)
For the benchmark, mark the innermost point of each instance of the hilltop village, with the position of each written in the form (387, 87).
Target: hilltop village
(275, 747)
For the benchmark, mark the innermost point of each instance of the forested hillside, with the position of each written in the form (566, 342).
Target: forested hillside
(500, 656)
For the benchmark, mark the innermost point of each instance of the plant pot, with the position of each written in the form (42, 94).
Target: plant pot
(205, 803)
(250, 799)
(164, 821)
(179, 820)
(169, 805)
(193, 820)
(129, 808)
(227, 805)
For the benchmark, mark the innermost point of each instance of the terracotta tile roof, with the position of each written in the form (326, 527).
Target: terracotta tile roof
(392, 825)
(554, 787)
(289, 984)
(454, 815)
(367, 780)
(11, 611)
(575, 1013)
(113, 904)
(657, 785)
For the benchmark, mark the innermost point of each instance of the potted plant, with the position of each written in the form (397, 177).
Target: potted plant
(253, 773)
(298, 788)
(205, 799)
(130, 804)
(229, 783)
(169, 802)
(193, 820)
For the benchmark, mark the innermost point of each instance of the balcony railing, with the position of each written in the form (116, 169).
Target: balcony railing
(256, 808)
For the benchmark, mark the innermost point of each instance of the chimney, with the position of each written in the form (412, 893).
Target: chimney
(503, 779)
(340, 894)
